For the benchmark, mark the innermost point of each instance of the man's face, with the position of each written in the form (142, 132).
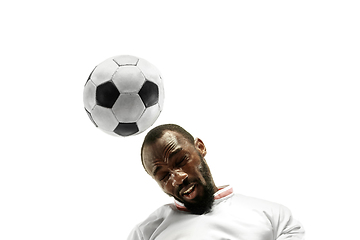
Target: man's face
(180, 170)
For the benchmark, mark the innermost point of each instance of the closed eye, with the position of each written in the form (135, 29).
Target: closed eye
(165, 177)
(183, 161)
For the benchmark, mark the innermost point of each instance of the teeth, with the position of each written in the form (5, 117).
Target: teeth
(189, 190)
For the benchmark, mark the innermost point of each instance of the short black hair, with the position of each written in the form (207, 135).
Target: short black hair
(158, 132)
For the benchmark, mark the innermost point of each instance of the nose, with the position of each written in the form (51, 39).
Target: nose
(177, 177)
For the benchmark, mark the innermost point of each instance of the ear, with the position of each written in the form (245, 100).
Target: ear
(200, 146)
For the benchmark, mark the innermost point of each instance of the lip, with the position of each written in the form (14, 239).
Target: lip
(189, 192)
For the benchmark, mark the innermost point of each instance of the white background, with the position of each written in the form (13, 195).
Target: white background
(272, 88)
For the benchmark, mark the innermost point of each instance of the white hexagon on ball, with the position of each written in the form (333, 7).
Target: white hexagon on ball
(104, 71)
(128, 108)
(147, 118)
(104, 118)
(128, 79)
(89, 95)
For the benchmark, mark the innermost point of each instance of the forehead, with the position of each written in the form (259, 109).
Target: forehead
(162, 148)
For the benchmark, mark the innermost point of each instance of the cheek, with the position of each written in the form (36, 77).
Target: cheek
(166, 187)
(194, 173)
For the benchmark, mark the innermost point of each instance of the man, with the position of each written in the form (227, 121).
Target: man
(175, 160)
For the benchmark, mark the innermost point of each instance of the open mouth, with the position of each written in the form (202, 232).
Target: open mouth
(190, 192)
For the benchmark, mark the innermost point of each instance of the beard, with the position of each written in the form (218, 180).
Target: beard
(203, 204)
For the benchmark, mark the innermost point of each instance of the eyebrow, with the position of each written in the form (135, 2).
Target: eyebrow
(158, 167)
(175, 152)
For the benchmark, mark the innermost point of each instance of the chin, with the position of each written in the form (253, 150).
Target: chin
(200, 208)
(201, 204)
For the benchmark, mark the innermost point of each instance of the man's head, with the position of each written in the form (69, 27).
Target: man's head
(175, 160)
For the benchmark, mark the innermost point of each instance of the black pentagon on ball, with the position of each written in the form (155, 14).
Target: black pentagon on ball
(107, 94)
(126, 129)
(149, 93)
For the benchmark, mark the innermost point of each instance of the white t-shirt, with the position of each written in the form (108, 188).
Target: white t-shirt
(233, 216)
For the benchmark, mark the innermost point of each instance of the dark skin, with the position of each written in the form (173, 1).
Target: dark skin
(176, 165)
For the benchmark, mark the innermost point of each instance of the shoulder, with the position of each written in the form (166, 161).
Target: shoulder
(270, 209)
(147, 227)
(278, 215)
(253, 202)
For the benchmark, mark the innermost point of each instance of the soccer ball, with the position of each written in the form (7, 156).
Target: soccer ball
(124, 95)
